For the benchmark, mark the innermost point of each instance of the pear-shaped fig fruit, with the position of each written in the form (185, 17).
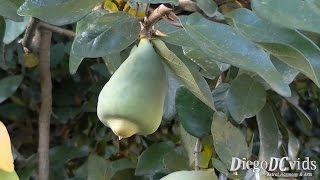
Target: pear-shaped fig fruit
(6, 158)
(191, 175)
(4, 175)
(132, 100)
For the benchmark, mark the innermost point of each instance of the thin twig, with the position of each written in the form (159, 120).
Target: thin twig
(197, 151)
(219, 81)
(156, 15)
(29, 33)
(46, 104)
(58, 30)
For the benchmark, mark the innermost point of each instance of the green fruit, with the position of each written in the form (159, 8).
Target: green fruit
(132, 100)
(4, 175)
(191, 175)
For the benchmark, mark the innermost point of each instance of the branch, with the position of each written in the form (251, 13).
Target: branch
(197, 151)
(57, 29)
(46, 104)
(29, 33)
(156, 15)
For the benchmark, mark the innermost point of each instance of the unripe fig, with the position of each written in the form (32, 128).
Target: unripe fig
(132, 100)
(4, 175)
(6, 159)
(191, 175)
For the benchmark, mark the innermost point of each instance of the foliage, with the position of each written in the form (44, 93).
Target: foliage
(250, 72)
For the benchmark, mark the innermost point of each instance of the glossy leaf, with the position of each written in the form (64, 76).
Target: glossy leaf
(105, 34)
(173, 34)
(121, 164)
(57, 12)
(245, 98)
(74, 62)
(169, 110)
(228, 140)
(287, 72)
(207, 6)
(98, 168)
(8, 86)
(294, 14)
(14, 29)
(61, 154)
(228, 46)
(219, 95)
(269, 133)
(113, 62)
(290, 46)
(151, 160)
(194, 115)
(191, 79)
(9, 9)
(174, 161)
(209, 66)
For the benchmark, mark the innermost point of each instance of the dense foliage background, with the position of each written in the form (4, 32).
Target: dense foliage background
(244, 46)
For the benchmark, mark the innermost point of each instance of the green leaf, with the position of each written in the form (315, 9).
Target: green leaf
(151, 160)
(219, 95)
(74, 62)
(226, 45)
(169, 110)
(294, 14)
(290, 46)
(174, 35)
(112, 61)
(105, 35)
(121, 164)
(61, 154)
(209, 66)
(303, 116)
(194, 115)
(8, 175)
(287, 72)
(228, 140)
(9, 85)
(174, 161)
(207, 6)
(9, 8)
(191, 79)
(57, 12)
(98, 168)
(245, 98)
(14, 29)
(268, 133)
